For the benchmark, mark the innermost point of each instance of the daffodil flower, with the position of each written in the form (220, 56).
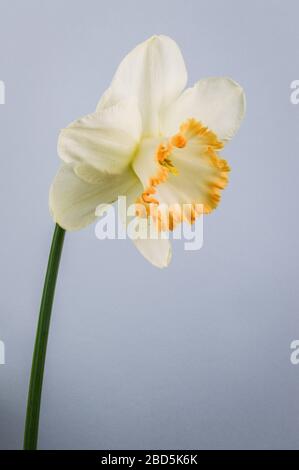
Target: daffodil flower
(150, 140)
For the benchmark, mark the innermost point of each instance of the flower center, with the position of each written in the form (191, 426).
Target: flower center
(169, 168)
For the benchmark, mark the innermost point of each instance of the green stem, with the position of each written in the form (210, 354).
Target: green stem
(41, 340)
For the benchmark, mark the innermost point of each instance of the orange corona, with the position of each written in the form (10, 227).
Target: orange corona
(208, 144)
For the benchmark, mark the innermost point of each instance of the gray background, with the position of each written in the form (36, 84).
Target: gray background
(195, 356)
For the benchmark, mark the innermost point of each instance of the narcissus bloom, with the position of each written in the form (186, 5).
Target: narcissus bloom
(151, 141)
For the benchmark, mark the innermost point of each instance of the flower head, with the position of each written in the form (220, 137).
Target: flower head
(152, 141)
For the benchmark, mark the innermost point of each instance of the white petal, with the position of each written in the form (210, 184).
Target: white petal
(155, 73)
(157, 252)
(73, 201)
(218, 103)
(106, 140)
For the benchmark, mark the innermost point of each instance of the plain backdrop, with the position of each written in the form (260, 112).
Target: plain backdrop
(194, 356)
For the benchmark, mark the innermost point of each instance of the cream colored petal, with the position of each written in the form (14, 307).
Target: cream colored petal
(218, 103)
(157, 252)
(73, 201)
(105, 140)
(155, 73)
